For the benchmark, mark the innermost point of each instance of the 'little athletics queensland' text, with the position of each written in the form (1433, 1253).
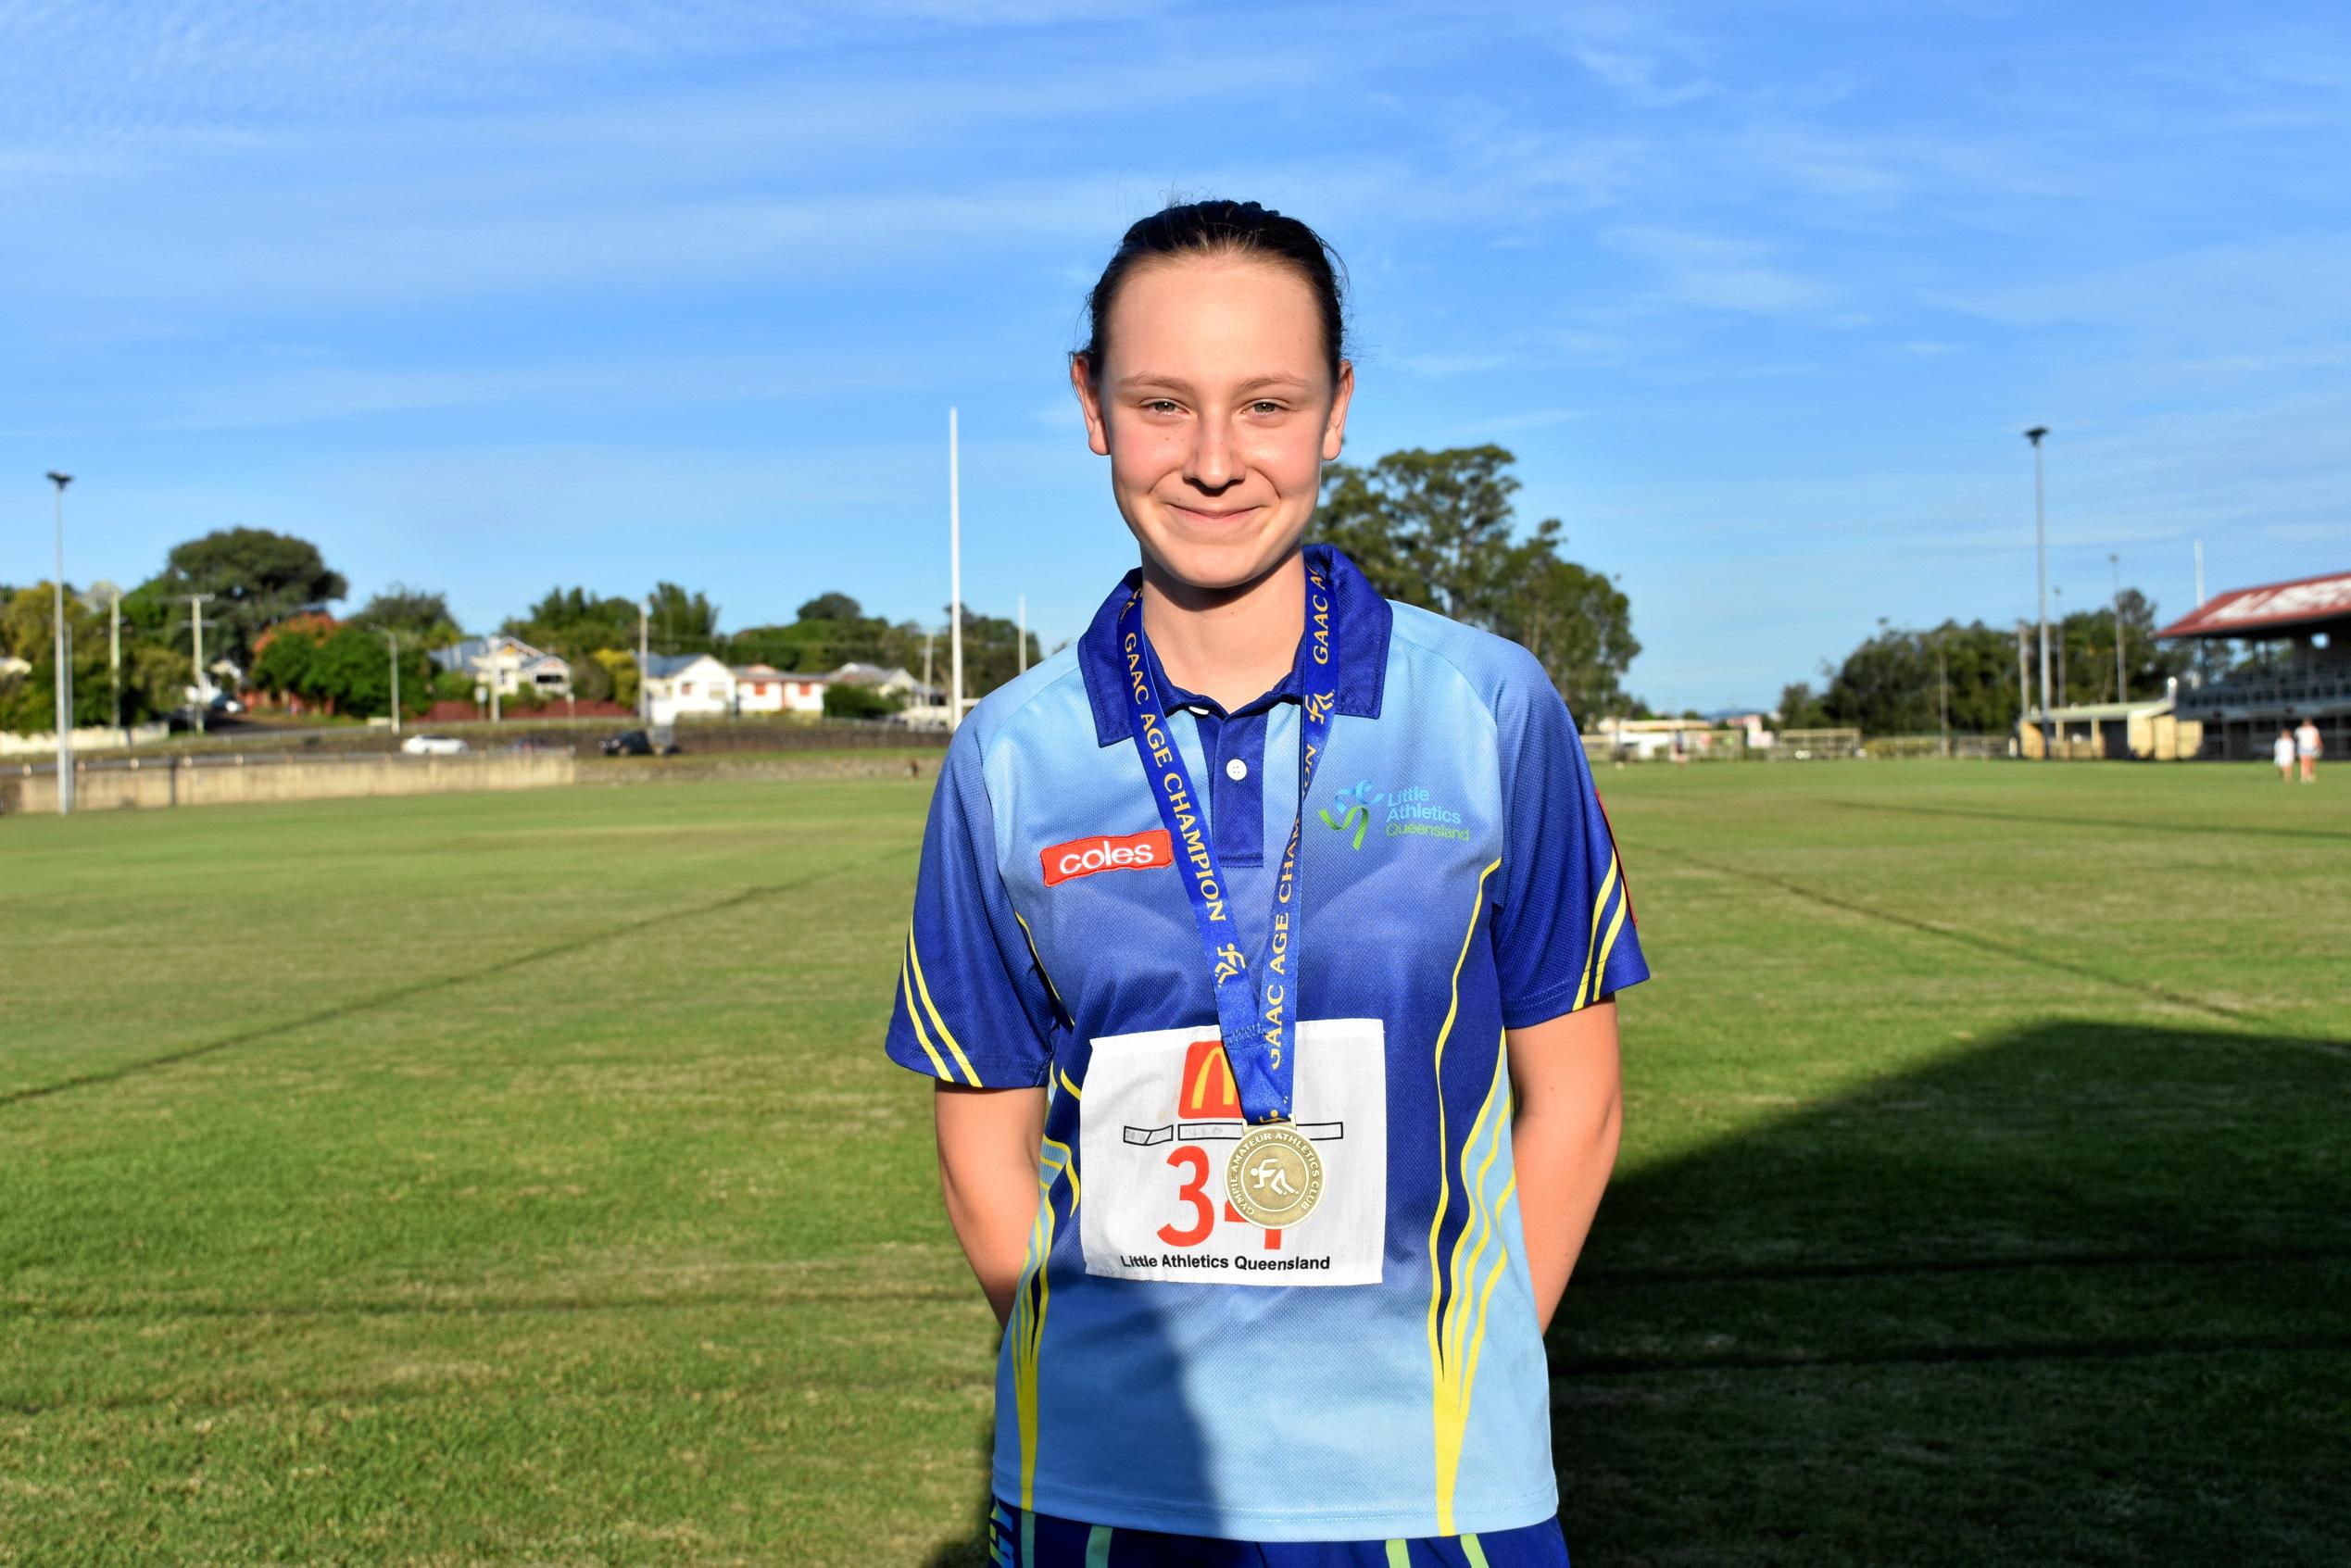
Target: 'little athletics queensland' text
(1179, 1261)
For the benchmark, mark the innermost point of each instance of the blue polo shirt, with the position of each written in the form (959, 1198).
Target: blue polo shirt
(1376, 1370)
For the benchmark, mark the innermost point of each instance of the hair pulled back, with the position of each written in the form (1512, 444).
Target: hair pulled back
(1222, 228)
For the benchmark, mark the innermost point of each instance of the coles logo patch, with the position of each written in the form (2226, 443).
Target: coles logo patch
(1084, 857)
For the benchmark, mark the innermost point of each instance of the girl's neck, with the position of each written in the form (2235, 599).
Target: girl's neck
(1230, 645)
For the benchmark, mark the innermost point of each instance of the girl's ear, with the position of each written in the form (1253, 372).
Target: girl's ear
(1335, 432)
(1081, 380)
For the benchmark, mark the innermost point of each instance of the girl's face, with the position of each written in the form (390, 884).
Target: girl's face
(1217, 414)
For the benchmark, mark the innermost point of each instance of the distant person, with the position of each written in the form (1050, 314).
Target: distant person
(1298, 1318)
(2306, 747)
(1681, 753)
(2282, 753)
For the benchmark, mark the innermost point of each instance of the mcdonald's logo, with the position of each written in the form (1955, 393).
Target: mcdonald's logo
(1207, 1092)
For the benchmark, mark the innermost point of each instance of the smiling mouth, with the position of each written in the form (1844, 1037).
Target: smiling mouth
(1196, 515)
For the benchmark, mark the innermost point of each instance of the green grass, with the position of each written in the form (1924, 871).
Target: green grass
(517, 1179)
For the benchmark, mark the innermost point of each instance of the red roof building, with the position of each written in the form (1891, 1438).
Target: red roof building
(2300, 669)
(2275, 609)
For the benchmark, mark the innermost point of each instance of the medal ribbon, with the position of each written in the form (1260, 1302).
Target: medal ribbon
(1256, 1020)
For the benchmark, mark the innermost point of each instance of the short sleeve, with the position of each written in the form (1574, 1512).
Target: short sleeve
(972, 1007)
(1563, 933)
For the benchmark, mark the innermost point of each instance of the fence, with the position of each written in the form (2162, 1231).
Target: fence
(1800, 746)
(1977, 748)
(222, 780)
(789, 735)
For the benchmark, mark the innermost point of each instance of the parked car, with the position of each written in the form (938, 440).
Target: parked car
(637, 743)
(432, 746)
(223, 702)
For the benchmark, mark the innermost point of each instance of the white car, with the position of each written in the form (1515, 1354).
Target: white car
(432, 746)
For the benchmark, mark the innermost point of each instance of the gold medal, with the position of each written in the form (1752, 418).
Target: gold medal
(1274, 1177)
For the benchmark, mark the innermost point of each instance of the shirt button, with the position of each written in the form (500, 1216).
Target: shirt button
(1237, 769)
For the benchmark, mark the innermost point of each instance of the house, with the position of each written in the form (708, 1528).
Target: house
(515, 664)
(762, 688)
(11, 665)
(899, 683)
(680, 683)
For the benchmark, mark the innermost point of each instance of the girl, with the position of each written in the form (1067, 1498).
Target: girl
(1265, 949)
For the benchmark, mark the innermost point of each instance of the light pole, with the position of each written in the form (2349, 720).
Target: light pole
(2024, 692)
(195, 633)
(114, 651)
(64, 682)
(2122, 692)
(1942, 684)
(2062, 687)
(2041, 555)
(394, 638)
(644, 675)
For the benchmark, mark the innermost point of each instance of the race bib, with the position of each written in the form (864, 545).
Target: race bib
(1176, 1184)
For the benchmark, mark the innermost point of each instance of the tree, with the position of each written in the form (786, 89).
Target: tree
(1576, 623)
(1429, 528)
(1437, 529)
(572, 618)
(831, 607)
(352, 672)
(1900, 681)
(2088, 637)
(1800, 709)
(682, 623)
(153, 675)
(257, 579)
(289, 652)
(991, 652)
(28, 621)
(620, 673)
(851, 699)
(418, 616)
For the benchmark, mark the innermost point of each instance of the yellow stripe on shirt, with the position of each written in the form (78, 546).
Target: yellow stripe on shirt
(915, 1016)
(1593, 970)
(914, 956)
(1444, 1198)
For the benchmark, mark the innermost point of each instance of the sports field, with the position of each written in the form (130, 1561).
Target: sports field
(517, 1179)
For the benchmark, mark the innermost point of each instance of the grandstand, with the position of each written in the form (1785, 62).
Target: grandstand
(2302, 633)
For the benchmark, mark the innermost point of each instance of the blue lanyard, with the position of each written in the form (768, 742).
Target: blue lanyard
(1258, 1021)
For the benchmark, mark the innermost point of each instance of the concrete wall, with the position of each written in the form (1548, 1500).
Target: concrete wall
(86, 739)
(165, 782)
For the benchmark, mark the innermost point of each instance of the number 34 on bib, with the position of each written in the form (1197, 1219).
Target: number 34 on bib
(1178, 1187)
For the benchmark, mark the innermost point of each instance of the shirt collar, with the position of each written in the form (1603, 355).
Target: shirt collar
(1359, 622)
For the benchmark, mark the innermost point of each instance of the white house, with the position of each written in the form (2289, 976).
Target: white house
(678, 684)
(11, 665)
(897, 681)
(762, 688)
(512, 663)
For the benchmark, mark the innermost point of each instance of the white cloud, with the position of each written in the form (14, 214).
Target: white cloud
(1716, 272)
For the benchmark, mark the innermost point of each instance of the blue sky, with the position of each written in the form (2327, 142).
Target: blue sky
(491, 297)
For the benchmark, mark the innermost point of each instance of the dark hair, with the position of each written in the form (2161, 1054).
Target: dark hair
(1223, 228)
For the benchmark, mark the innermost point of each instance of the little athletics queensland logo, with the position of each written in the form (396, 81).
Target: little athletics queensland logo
(1409, 812)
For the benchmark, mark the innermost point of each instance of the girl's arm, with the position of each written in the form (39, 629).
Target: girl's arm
(988, 1143)
(1566, 1082)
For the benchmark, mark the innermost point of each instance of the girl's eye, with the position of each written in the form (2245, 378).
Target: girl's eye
(1264, 405)
(1161, 405)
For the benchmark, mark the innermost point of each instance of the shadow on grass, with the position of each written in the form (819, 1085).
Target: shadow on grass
(2082, 1295)
(2077, 1296)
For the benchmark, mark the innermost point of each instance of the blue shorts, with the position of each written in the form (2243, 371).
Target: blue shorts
(1020, 1540)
